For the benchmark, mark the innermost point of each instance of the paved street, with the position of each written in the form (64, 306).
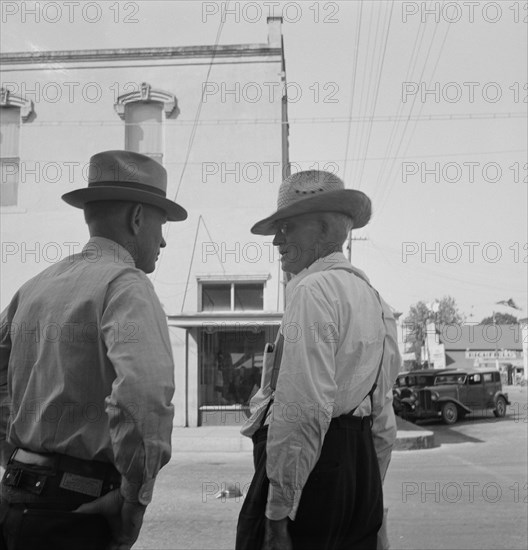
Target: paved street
(469, 492)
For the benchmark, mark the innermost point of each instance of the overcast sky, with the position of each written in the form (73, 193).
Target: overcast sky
(436, 131)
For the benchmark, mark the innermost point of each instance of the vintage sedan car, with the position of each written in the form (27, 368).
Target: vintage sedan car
(455, 394)
(407, 382)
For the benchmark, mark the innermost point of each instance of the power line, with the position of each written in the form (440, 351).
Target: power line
(377, 93)
(302, 120)
(189, 147)
(353, 85)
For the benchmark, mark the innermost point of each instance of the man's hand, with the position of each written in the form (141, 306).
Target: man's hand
(125, 518)
(276, 536)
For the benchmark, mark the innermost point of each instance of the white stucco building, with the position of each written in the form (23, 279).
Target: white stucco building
(216, 118)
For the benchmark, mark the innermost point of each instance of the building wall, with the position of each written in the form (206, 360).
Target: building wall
(229, 182)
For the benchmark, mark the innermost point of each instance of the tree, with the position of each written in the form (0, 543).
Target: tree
(500, 319)
(444, 311)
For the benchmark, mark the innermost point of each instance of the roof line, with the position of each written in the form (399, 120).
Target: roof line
(120, 54)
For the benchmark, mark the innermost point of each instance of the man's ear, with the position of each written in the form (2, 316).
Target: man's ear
(136, 218)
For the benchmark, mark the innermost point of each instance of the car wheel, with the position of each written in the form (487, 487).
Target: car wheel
(500, 407)
(449, 413)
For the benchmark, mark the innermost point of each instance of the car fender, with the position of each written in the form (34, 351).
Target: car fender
(455, 401)
(501, 394)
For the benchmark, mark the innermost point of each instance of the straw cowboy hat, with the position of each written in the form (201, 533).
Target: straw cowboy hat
(315, 191)
(126, 176)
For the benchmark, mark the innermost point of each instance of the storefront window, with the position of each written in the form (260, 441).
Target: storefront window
(232, 296)
(216, 297)
(249, 297)
(231, 363)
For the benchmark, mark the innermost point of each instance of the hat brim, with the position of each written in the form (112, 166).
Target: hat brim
(351, 202)
(79, 197)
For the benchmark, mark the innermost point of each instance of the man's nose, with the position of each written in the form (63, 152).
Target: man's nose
(278, 239)
(163, 243)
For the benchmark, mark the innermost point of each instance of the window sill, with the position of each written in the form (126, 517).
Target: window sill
(12, 210)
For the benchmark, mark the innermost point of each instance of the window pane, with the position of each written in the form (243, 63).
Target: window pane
(143, 128)
(216, 297)
(231, 365)
(9, 169)
(9, 131)
(249, 297)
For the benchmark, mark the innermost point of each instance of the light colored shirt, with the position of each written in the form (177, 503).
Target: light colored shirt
(333, 332)
(86, 367)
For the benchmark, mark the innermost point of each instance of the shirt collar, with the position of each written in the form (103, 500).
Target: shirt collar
(99, 246)
(335, 260)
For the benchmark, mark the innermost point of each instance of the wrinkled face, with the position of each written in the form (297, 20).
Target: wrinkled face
(150, 239)
(298, 241)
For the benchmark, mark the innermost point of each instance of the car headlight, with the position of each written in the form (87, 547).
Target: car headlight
(434, 396)
(412, 397)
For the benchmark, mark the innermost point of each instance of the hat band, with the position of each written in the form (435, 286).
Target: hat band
(130, 185)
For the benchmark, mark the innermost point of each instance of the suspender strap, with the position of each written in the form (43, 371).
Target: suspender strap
(375, 385)
(279, 345)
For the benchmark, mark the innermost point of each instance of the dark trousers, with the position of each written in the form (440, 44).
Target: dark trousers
(341, 505)
(37, 513)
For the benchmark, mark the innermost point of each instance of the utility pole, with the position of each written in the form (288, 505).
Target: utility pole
(349, 245)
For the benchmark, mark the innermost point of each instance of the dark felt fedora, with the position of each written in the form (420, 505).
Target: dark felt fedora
(315, 191)
(126, 176)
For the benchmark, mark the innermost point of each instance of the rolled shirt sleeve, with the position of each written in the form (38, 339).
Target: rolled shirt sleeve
(304, 399)
(139, 409)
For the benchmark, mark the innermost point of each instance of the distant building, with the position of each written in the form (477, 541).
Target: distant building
(216, 118)
(482, 346)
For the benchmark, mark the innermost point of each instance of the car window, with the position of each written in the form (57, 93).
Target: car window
(496, 376)
(487, 376)
(474, 379)
(449, 379)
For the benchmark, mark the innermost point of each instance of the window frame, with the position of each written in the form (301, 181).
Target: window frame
(232, 304)
(232, 280)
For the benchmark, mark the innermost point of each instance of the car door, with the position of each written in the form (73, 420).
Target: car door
(490, 388)
(475, 397)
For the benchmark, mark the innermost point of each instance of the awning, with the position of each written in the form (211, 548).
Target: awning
(240, 319)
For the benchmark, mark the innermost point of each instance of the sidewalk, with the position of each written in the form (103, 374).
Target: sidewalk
(229, 439)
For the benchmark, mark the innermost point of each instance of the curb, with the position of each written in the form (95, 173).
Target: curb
(226, 439)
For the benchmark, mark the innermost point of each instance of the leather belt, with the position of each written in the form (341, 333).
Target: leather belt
(65, 463)
(32, 471)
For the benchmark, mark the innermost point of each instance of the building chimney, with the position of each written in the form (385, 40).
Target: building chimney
(274, 32)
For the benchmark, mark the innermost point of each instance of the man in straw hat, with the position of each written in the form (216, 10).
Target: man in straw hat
(326, 389)
(86, 372)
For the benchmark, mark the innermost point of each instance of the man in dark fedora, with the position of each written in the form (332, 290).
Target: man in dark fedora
(86, 372)
(322, 422)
